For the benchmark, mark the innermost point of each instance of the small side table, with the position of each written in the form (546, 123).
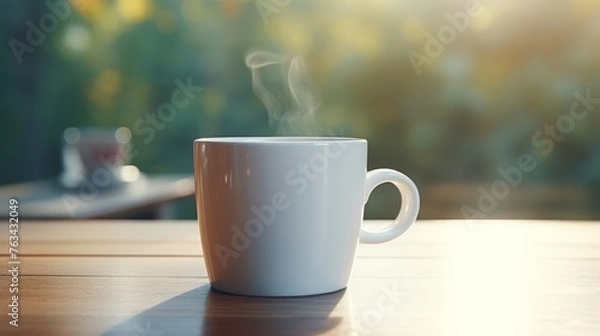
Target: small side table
(148, 197)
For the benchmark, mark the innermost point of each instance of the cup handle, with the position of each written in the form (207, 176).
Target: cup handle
(408, 211)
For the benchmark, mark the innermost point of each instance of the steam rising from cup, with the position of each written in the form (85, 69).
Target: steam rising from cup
(291, 105)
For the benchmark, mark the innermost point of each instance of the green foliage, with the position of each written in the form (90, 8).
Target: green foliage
(473, 108)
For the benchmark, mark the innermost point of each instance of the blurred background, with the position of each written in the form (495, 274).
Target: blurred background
(456, 94)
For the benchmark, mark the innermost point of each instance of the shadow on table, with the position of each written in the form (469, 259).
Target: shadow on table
(203, 311)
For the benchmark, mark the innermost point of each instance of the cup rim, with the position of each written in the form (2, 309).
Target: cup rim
(277, 140)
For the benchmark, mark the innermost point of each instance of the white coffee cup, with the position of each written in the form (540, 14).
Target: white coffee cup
(281, 216)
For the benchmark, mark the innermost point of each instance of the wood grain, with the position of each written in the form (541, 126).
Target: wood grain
(441, 278)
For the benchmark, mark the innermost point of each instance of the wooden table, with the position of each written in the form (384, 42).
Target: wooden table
(535, 278)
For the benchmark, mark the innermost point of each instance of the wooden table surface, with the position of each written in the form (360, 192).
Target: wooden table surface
(440, 278)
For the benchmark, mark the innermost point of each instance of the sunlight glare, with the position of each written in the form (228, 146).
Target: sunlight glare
(487, 282)
(134, 10)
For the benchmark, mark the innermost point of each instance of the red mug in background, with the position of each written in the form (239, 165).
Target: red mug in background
(95, 154)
